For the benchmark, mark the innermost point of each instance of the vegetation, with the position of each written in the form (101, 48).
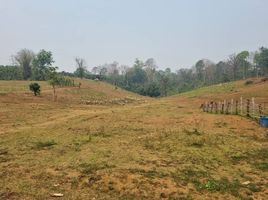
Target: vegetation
(35, 88)
(87, 145)
(144, 77)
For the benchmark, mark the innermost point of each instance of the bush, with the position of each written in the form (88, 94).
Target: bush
(152, 90)
(35, 88)
(248, 82)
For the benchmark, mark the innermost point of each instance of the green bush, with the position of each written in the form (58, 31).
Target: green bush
(248, 82)
(35, 88)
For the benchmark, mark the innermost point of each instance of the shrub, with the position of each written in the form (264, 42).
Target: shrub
(35, 88)
(248, 82)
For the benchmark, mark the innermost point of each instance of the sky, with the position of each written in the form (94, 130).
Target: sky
(176, 33)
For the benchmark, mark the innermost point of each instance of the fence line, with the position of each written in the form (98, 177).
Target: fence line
(244, 107)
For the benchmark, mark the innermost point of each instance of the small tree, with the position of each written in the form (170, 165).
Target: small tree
(54, 80)
(35, 88)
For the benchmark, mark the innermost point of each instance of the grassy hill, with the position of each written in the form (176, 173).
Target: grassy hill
(146, 149)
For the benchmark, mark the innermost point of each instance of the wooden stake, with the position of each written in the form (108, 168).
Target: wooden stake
(236, 107)
(211, 106)
(260, 110)
(232, 103)
(227, 108)
(241, 105)
(222, 108)
(248, 106)
(216, 108)
(253, 106)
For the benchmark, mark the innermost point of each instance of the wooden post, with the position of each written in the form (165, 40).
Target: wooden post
(203, 107)
(253, 106)
(211, 106)
(260, 110)
(236, 107)
(248, 106)
(228, 108)
(216, 107)
(222, 108)
(232, 103)
(241, 105)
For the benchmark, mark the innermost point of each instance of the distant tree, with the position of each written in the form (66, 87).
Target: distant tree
(138, 63)
(10, 72)
(152, 90)
(200, 68)
(24, 59)
(35, 88)
(54, 80)
(80, 67)
(243, 63)
(261, 60)
(234, 62)
(150, 69)
(41, 65)
(164, 78)
(113, 72)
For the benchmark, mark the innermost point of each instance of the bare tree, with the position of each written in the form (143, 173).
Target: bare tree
(24, 59)
(150, 68)
(81, 67)
(234, 62)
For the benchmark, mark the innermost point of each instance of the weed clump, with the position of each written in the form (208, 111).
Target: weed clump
(44, 145)
(248, 82)
(194, 132)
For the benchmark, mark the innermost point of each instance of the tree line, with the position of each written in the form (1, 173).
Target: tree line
(144, 77)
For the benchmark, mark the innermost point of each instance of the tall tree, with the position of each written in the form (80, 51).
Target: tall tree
(41, 65)
(24, 59)
(200, 69)
(80, 67)
(150, 69)
(261, 59)
(234, 62)
(243, 63)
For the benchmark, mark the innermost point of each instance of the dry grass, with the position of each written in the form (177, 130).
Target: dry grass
(143, 149)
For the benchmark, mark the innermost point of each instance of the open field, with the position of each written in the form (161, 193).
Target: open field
(99, 142)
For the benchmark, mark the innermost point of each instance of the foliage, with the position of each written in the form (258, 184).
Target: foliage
(81, 68)
(10, 73)
(261, 60)
(24, 59)
(142, 77)
(152, 90)
(35, 88)
(41, 65)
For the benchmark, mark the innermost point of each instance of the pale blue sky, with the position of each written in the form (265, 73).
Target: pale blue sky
(175, 32)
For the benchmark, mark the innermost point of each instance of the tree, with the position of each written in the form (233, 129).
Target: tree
(152, 90)
(113, 71)
(24, 59)
(81, 67)
(10, 73)
(41, 65)
(54, 80)
(243, 63)
(150, 68)
(234, 62)
(200, 68)
(261, 60)
(35, 88)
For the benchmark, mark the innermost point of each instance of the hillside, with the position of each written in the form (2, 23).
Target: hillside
(164, 148)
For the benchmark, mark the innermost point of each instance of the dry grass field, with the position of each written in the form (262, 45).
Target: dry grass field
(98, 142)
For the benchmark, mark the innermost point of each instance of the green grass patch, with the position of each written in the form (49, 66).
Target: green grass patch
(44, 145)
(91, 168)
